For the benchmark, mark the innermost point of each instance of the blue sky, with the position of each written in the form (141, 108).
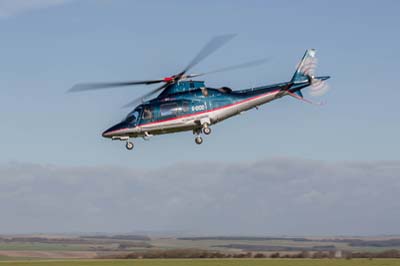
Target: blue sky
(45, 51)
(48, 46)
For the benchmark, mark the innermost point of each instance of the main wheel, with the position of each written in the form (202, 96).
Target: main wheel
(129, 145)
(198, 140)
(207, 130)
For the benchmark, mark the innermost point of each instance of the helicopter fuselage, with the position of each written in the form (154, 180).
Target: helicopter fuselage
(191, 106)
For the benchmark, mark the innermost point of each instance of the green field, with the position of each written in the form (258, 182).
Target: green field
(211, 262)
(42, 246)
(59, 247)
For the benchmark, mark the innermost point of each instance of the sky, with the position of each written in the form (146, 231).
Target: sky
(332, 169)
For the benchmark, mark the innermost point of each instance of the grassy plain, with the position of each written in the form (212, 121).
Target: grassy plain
(211, 262)
(37, 247)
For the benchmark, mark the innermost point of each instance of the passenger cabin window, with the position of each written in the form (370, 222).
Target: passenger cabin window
(168, 109)
(147, 113)
(204, 91)
(225, 90)
(185, 107)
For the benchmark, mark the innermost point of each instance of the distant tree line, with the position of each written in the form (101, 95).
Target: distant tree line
(203, 254)
(245, 238)
(248, 247)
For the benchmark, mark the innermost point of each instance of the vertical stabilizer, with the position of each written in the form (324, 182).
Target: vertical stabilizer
(306, 67)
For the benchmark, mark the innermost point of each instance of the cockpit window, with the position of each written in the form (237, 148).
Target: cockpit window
(132, 117)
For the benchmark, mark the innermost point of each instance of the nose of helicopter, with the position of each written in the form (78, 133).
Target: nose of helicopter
(117, 129)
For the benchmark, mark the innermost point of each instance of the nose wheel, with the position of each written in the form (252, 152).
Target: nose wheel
(206, 129)
(129, 145)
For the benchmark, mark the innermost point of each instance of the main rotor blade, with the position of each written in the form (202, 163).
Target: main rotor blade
(106, 85)
(140, 99)
(213, 45)
(234, 67)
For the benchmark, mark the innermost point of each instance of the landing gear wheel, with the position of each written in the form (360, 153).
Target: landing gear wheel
(198, 140)
(129, 145)
(207, 130)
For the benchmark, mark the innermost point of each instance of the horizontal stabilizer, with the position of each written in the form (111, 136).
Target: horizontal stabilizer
(299, 93)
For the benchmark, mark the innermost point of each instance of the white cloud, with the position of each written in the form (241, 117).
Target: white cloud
(270, 197)
(9, 8)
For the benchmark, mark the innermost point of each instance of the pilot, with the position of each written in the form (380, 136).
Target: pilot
(147, 114)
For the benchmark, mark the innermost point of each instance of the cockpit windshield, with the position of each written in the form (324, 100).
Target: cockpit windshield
(133, 116)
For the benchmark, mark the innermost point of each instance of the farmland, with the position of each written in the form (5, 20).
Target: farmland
(208, 262)
(50, 247)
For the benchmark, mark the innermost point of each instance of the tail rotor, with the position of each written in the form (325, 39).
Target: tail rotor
(319, 87)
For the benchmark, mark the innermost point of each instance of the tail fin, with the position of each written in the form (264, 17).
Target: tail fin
(306, 67)
(305, 76)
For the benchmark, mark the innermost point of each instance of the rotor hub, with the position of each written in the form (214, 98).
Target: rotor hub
(169, 79)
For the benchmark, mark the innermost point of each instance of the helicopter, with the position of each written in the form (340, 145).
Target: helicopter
(184, 104)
